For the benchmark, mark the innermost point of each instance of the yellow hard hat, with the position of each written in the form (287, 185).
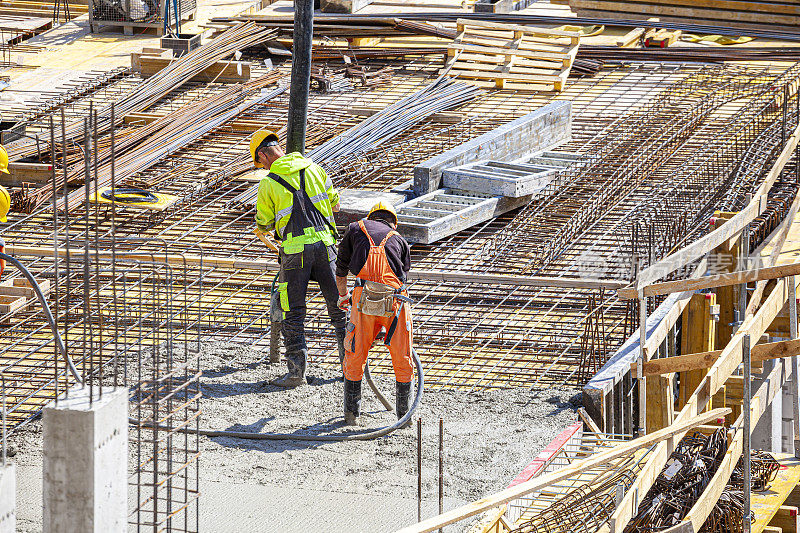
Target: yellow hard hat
(3, 160)
(258, 137)
(5, 202)
(384, 206)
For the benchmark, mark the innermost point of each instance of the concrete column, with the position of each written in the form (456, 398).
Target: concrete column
(85, 485)
(787, 425)
(768, 432)
(8, 499)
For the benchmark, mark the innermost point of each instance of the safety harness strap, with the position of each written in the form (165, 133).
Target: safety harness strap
(371, 242)
(303, 194)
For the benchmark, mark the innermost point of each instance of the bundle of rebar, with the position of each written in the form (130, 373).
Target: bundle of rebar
(329, 25)
(347, 25)
(171, 132)
(149, 91)
(443, 94)
(584, 509)
(702, 54)
(685, 477)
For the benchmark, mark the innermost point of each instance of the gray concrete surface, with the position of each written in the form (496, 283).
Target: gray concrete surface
(8, 498)
(227, 506)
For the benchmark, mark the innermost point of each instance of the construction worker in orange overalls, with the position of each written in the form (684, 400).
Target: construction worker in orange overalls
(380, 258)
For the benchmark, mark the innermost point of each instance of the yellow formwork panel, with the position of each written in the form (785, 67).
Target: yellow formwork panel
(766, 504)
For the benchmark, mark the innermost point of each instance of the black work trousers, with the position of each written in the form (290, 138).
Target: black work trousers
(317, 263)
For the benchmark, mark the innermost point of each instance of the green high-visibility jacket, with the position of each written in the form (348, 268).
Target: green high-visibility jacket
(274, 205)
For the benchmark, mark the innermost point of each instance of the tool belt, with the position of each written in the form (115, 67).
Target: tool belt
(376, 299)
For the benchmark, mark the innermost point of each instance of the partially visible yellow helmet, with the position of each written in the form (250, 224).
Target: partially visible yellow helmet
(384, 206)
(3, 160)
(5, 203)
(255, 141)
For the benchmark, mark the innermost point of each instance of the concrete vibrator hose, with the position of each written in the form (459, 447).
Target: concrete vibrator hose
(359, 435)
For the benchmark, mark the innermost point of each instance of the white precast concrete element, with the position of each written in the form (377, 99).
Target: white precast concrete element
(85, 485)
(8, 499)
(768, 432)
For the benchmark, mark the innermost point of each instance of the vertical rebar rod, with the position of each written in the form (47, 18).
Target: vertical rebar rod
(87, 180)
(746, 436)
(66, 242)
(642, 359)
(99, 355)
(419, 470)
(55, 254)
(301, 75)
(113, 127)
(441, 467)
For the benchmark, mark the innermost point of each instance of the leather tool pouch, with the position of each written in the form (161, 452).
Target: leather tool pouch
(377, 299)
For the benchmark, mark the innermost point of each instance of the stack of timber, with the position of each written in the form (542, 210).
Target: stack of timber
(509, 56)
(778, 14)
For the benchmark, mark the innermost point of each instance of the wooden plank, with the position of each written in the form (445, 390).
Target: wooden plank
(662, 10)
(699, 334)
(541, 55)
(784, 7)
(725, 260)
(269, 265)
(221, 71)
(696, 361)
(710, 282)
(660, 407)
(19, 173)
(577, 467)
(527, 30)
(765, 505)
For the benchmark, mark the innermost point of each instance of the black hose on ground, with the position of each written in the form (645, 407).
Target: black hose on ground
(47, 313)
(364, 435)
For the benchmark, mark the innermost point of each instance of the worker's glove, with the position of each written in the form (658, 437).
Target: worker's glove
(344, 302)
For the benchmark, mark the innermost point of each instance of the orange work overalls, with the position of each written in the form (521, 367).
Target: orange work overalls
(362, 328)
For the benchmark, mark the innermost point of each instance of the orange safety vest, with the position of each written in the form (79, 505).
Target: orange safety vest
(377, 267)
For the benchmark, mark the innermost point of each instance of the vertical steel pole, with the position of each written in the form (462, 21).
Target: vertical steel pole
(792, 281)
(301, 75)
(746, 436)
(642, 355)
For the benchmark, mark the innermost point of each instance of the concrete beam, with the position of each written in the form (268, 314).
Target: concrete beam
(85, 481)
(538, 130)
(356, 203)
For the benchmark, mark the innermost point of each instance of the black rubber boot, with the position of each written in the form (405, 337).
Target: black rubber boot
(352, 402)
(402, 396)
(340, 334)
(296, 376)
